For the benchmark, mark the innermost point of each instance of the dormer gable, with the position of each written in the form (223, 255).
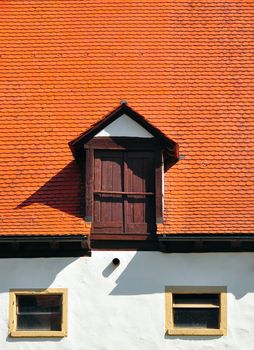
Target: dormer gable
(124, 126)
(123, 157)
(126, 122)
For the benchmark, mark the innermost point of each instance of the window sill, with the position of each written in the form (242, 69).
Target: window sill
(196, 331)
(38, 334)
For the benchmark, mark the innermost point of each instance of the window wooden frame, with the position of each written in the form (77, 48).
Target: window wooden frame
(169, 307)
(128, 144)
(13, 332)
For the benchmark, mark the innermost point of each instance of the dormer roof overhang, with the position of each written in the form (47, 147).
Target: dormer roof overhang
(169, 147)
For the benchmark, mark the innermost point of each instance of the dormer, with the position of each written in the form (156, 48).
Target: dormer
(124, 158)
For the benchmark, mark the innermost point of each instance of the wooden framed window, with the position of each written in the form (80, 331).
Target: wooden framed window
(196, 310)
(38, 313)
(123, 188)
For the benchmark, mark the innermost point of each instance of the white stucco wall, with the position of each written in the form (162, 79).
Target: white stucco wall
(124, 126)
(122, 308)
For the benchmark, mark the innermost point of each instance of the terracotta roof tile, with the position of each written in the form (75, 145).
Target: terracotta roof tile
(187, 66)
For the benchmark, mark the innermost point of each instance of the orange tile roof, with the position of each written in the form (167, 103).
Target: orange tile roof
(187, 66)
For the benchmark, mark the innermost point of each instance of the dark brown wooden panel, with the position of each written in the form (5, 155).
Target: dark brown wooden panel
(123, 143)
(124, 192)
(158, 185)
(89, 175)
(123, 236)
(139, 177)
(108, 208)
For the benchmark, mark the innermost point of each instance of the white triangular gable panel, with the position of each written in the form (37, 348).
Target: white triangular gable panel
(126, 127)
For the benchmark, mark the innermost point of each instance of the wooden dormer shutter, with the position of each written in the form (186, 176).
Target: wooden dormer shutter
(108, 186)
(139, 179)
(124, 192)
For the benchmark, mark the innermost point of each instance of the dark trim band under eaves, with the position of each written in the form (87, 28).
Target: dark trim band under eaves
(44, 246)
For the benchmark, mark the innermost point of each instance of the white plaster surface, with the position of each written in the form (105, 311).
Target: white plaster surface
(122, 308)
(124, 126)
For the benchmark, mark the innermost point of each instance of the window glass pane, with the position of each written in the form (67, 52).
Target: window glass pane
(39, 303)
(39, 312)
(211, 299)
(196, 318)
(42, 322)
